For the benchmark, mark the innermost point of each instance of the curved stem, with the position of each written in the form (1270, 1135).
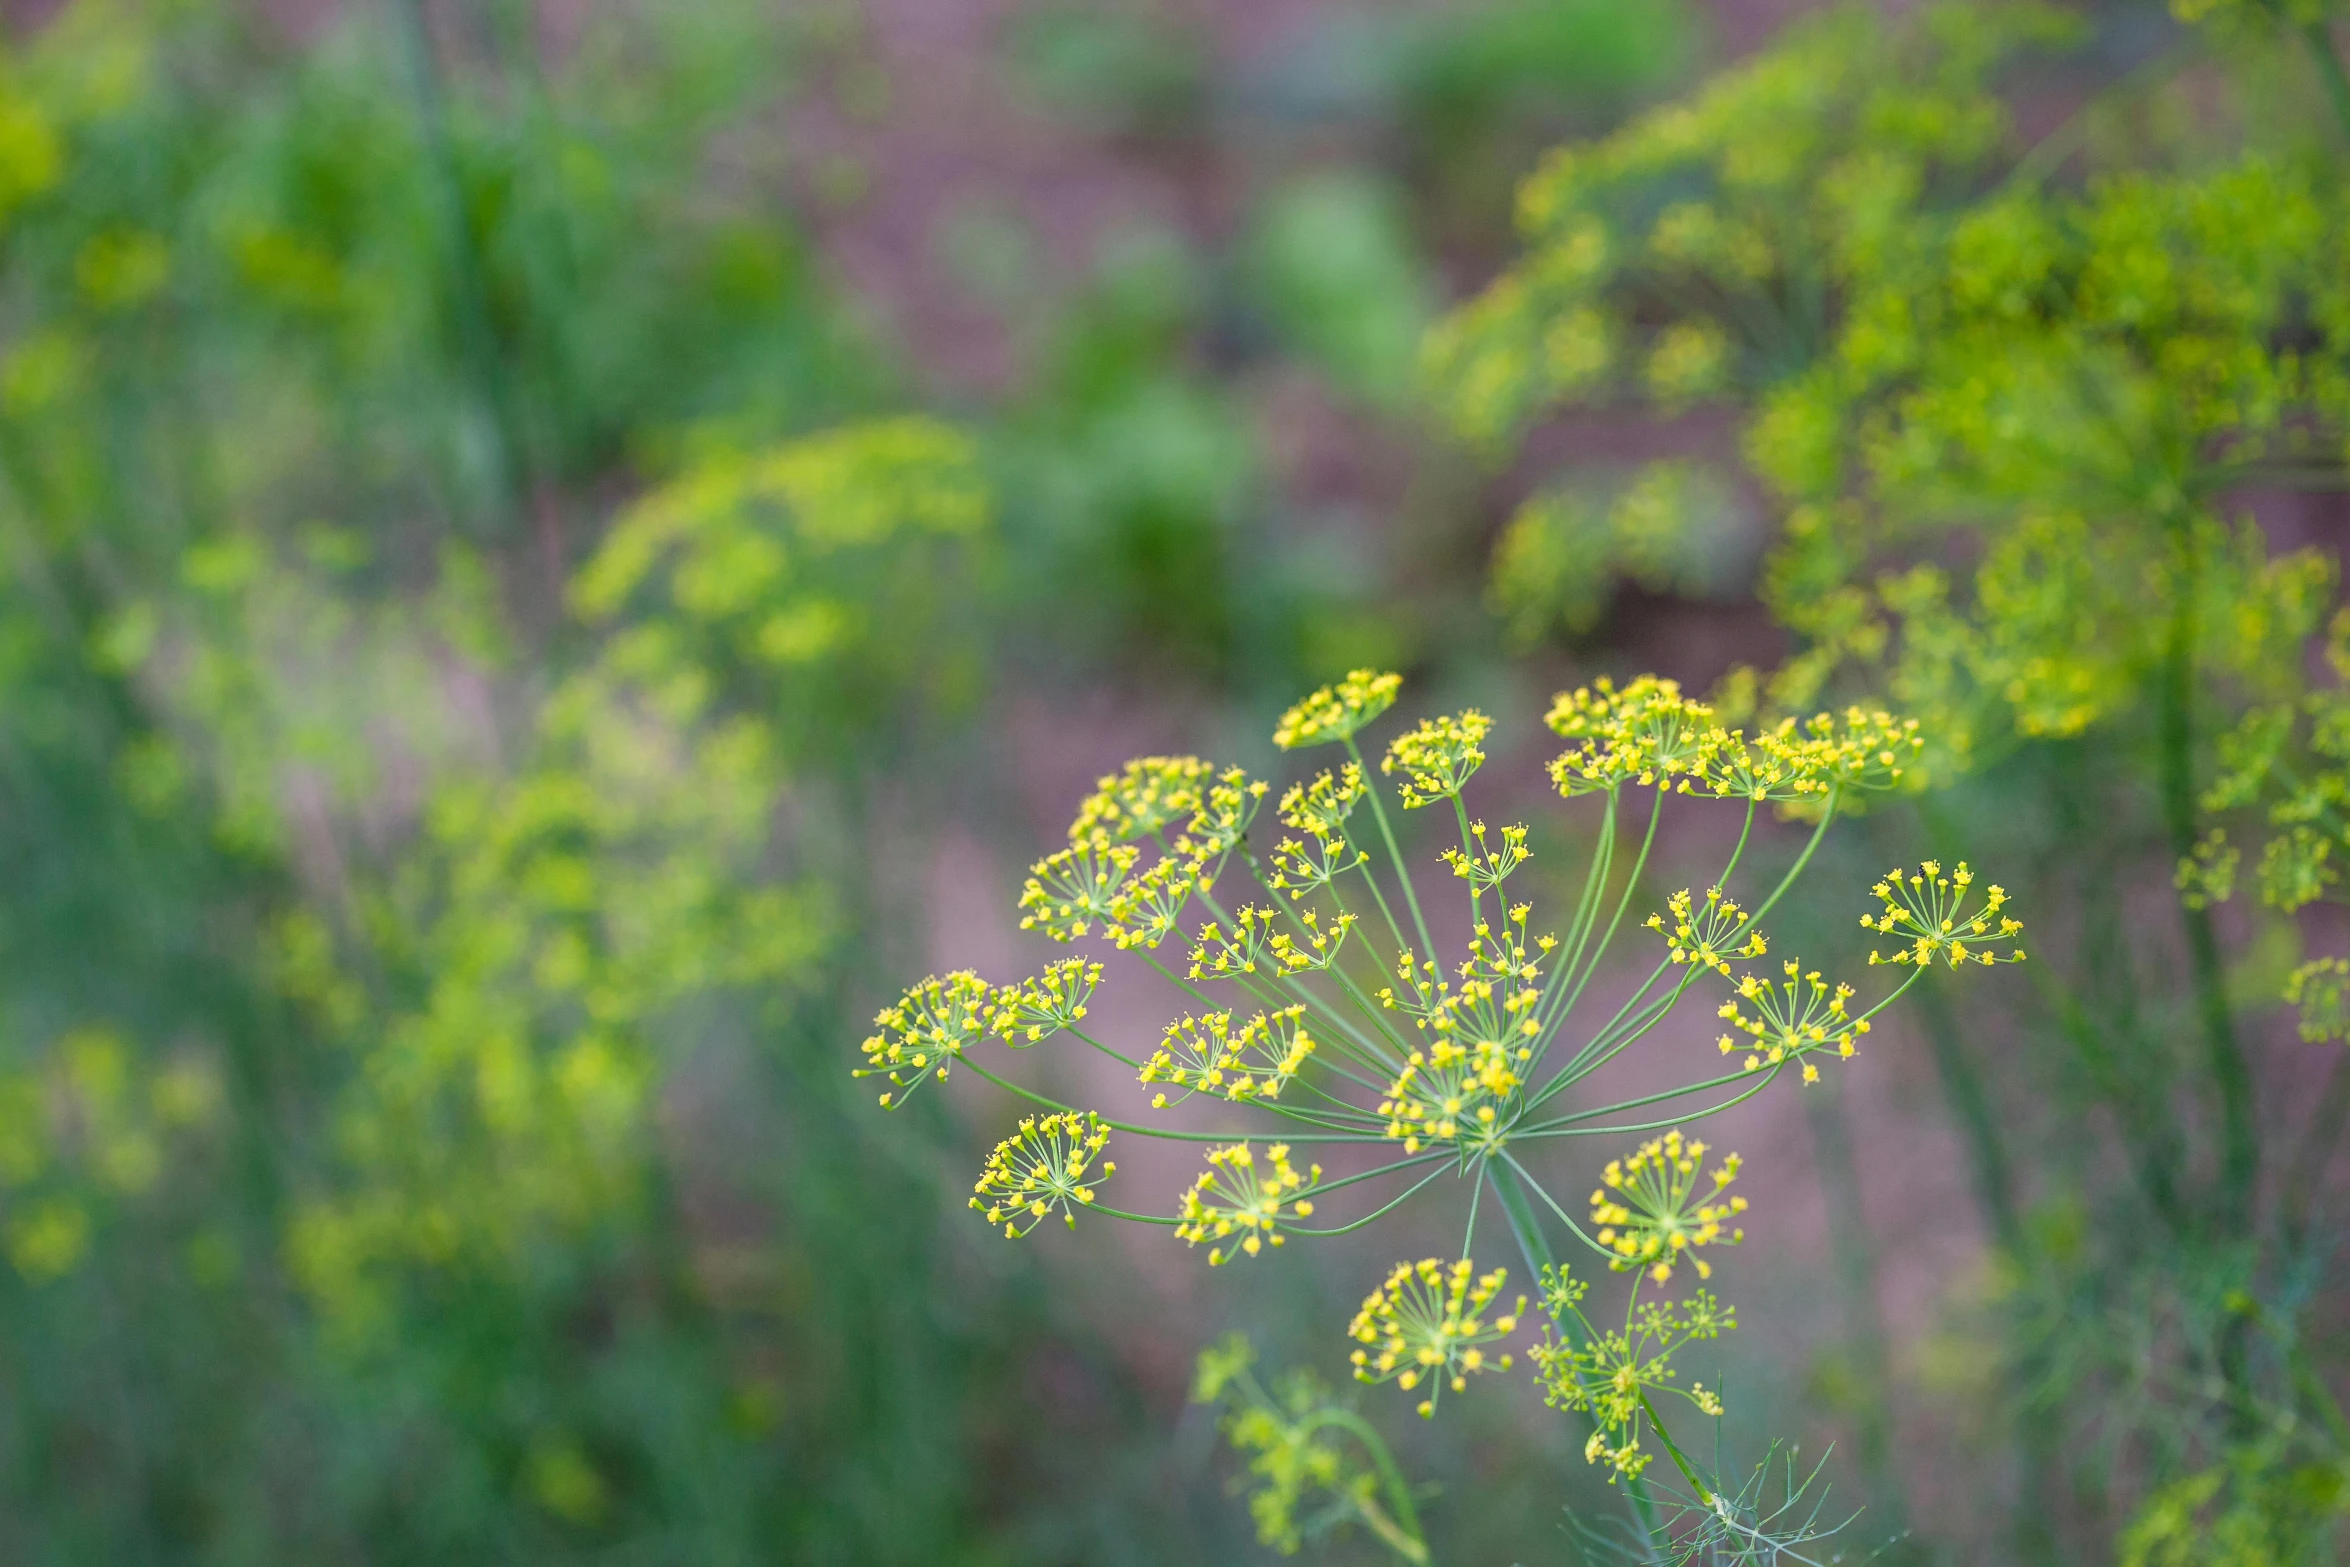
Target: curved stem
(1414, 1547)
(1377, 1213)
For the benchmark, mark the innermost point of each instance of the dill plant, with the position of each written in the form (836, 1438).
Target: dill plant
(2019, 408)
(1329, 1016)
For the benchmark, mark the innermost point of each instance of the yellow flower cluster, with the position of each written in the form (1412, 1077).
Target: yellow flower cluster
(2321, 989)
(1208, 1055)
(1070, 891)
(1438, 757)
(1650, 734)
(1253, 947)
(1615, 1375)
(1336, 712)
(1042, 1167)
(1322, 803)
(1426, 1324)
(1300, 868)
(1650, 1211)
(1319, 808)
(1464, 1084)
(1487, 867)
(1927, 910)
(1708, 936)
(926, 1029)
(1223, 817)
(1644, 733)
(1144, 911)
(1140, 799)
(1793, 1019)
(1235, 1196)
(1038, 1008)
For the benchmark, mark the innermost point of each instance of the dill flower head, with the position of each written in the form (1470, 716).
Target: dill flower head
(1240, 1194)
(1268, 1053)
(1488, 866)
(1073, 889)
(1710, 933)
(1222, 818)
(1253, 947)
(1651, 1213)
(1427, 1323)
(1322, 803)
(1038, 1008)
(1144, 797)
(1208, 1055)
(926, 1029)
(1464, 1084)
(1860, 751)
(1764, 769)
(1646, 733)
(2321, 989)
(1797, 1017)
(1615, 1375)
(1197, 1054)
(1927, 910)
(1144, 910)
(1438, 757)
(1335, 712)
(1299, 868)
(1043, 1167)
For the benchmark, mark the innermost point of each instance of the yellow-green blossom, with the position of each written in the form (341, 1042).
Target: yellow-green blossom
(1795, 1018)
(1927, 910)
(1322, 803)
(1335, 712)
(927, 1028)
(1427, 1324)
(1144, 797)
(1038, 1008)
(1651, 1213)
(1071, 890)
(1043, 1168)
(1615, 1375)
(1708, 934)
(1239, 1195)
(1438, 757)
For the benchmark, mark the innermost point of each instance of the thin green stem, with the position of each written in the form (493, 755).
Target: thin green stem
(2320, 38)
(1403, 873)
(2240, 1140)
(1380, 1212)
(1115, 1055)
(1160, 1132)
(1509, 1185)
(1413, 1546)
(1590, 963)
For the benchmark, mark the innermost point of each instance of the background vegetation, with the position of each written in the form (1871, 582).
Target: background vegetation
(549, 555)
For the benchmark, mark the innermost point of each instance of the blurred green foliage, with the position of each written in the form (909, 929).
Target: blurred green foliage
(2016, 404)
(475, 623)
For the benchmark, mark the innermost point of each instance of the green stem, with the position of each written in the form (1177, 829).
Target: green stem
(1590, 963)
(2316, 1151)
(1380, 1212)
(2320, 39)
(1864, 1326)
(1978, 1122)
(1399, 1495)
(1531, 1242)
(1403, 873)
(2240, 1156)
